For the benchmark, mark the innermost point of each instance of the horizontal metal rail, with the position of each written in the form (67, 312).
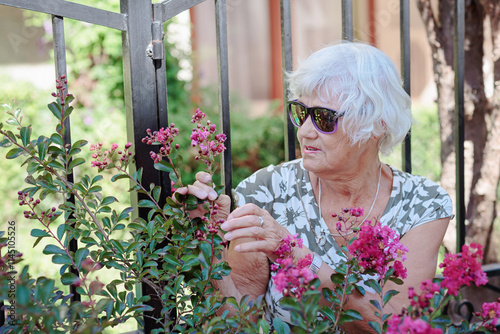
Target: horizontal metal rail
(171, 8)
(73, 11)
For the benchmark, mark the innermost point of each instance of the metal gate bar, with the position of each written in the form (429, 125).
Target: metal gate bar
(287, 60)
(404, 24)
(61, 70)
(459, 59)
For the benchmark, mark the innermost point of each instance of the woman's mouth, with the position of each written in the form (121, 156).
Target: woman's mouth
(311, 149)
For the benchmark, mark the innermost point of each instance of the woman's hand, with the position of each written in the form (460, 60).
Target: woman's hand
(261, 231)
(202, 189)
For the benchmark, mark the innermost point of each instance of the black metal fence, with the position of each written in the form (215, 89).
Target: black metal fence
(141, 24)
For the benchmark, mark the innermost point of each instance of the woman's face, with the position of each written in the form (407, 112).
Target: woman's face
(329, 153)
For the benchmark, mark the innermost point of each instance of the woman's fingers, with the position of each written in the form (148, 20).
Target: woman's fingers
(246, 210)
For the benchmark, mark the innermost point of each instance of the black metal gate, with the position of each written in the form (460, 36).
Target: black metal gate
(141, 24)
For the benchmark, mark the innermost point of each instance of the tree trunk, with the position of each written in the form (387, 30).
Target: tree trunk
(482, 119)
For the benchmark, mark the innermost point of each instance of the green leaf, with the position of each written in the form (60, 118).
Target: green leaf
(57, 139)
(60, 230)
(375, 303)
(55, 164)
(79, 143)
(5, 143)
(280, 327)
(25, 135)
(145, 203)
(53, 249)
(39, 233)
(68, 278)
(138, 175)
(163, 166)
(14, 153)
(61, 259)
(328, 312)
(206, 251)
(55, 109)
(355, 315)
(76, 162)
(80, 254)
(108, 200)
(375, 326)
(171, 259)
(388, 295)
(125, 213)
(374, 285)
(118, 176)
(22, 295)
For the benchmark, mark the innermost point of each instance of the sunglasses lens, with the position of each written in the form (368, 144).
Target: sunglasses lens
(325, 119)
(298, 113)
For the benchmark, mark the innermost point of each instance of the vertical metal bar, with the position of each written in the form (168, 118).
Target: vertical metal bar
(347, 20)
(159, 62)
(222, 62)
(459, 59)
(139, 78)
(287, 60)
(61, 70)
(405, 73)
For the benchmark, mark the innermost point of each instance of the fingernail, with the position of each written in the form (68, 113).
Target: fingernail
(227, 236)
(212, 195)
(230, 216)
(237, 248)
(224, 226)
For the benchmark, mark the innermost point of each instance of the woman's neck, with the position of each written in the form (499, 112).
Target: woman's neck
(350, 186)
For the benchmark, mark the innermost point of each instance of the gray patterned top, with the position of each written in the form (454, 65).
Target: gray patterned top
(285, 191)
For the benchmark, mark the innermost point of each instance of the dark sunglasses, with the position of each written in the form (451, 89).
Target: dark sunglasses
(324, 119)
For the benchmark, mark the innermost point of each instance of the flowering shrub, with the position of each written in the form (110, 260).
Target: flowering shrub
(179, 257)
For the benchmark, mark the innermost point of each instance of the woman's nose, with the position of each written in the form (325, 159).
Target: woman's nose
(307, 129)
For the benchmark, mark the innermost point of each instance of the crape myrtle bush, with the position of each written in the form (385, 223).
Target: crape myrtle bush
(182, 272)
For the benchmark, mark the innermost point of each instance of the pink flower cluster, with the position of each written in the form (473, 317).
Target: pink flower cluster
(408, 325)
(202, 136)
(346, 221)
(490, 313)
(163, 137)
(423, 300)
(104, 159)
(376, 247)
(463, 268)
(290, 279)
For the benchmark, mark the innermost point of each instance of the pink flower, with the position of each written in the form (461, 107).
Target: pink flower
(428, 289)
(202, 135)
(463, 268)
(290, 279)
(376, 247)
(104, 159)
(163, 137)
(398, 325)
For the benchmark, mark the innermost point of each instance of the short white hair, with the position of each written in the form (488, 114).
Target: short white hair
(363, 82)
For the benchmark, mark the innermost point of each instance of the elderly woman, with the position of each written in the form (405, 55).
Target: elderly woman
(349, 107)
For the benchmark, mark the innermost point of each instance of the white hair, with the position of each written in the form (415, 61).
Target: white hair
(363, 82)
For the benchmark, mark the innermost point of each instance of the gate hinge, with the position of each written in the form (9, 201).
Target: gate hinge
(156, 48)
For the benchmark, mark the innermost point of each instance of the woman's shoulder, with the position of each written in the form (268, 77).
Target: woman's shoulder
(415, 200)
(417, 185)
